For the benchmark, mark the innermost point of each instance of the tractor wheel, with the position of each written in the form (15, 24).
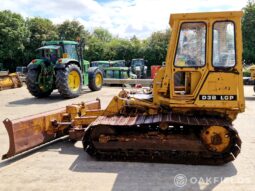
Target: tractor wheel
(95, 79)
(34, 87)
(69, 81)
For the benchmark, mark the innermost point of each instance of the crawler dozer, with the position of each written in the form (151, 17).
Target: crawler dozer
(186, 118)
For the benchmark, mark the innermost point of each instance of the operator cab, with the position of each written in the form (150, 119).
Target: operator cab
(204, 62)
(50, 53)
(53, 50)
(190, 57)
(71, 51)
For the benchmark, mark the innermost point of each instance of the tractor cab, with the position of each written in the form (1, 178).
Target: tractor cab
(59, 49)
(50, 52)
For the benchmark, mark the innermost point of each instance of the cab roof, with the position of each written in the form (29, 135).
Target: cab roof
(49, 47)
(204, 16)
(59, 42)
(101, 62)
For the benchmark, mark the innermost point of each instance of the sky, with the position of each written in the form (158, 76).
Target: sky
(123, 18)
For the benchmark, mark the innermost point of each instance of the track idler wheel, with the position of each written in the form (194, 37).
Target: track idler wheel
(216, 138)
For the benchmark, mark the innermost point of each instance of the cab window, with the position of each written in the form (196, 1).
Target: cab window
(191, 45)
(70, 49)
(224, 44)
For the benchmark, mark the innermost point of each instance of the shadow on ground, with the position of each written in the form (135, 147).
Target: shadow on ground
(53, 98)
(25, 154)
(139, 176)
(148, 176)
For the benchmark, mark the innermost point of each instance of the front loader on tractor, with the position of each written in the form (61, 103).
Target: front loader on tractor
(186, 119)
(60, 65)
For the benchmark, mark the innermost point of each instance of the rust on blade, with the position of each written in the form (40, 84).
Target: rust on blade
(31, 131)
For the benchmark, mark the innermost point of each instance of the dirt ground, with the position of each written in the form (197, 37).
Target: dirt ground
(64, 166)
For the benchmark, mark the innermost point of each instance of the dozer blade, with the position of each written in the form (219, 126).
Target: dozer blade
(27, 133)
(32, 131)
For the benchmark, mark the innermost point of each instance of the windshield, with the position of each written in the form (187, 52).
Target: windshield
(50, 54)
(120, 65)
(137, 63)
(71, 50)
(191, 45)
(224, 44)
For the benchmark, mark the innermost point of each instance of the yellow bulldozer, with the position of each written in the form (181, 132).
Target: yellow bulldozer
(187, 118)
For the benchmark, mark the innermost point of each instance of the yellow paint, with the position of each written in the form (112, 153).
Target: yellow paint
(204, 80)
(219, 131)
(72, 110)
(10, 81)
(6, 82)
(99, 80)
(85, 121)
(74, 80)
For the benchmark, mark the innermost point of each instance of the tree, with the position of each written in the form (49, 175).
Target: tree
(248, 26)
(156, 47)
(138, 47)
(118, 49)
(13, 33)
(102, 34)
(40, 30)
(20, 38)
(71, 30)
(97, 44)
(95, 49)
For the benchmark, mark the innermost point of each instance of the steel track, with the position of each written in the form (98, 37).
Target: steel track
(181, 144)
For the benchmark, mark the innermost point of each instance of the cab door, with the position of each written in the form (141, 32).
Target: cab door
(189, 64)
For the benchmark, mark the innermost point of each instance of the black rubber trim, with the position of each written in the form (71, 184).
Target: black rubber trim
(59, 66)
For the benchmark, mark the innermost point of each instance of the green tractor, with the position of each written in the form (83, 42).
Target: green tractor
(60, 65)
(112, 69)
(138, 68)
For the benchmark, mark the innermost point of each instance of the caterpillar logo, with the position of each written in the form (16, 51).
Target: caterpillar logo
(218, 97)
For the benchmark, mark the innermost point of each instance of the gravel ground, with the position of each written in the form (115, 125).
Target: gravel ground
(64, 166)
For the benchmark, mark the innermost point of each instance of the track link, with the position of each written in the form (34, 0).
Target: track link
(140, 139)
